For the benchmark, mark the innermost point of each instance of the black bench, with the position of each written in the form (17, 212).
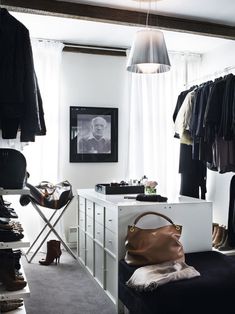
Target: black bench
(211, 293)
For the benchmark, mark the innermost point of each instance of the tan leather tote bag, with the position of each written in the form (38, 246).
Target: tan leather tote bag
(153, 246)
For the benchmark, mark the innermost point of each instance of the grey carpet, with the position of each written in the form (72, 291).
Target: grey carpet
(65, 288)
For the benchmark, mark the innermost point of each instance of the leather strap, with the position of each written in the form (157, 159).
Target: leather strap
(153, 213)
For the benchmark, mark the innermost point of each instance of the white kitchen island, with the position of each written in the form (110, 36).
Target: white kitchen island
(102, 227)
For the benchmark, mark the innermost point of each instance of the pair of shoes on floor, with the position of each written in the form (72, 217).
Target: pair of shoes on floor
(10, 305)
(53, 253)
(220, 239)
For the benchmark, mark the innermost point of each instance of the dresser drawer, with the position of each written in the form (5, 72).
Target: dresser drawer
(81, 203)
(81, 245)
(81, 220)
(99, 264)
(99, 213)
(111, 276)
(89, 254)
(89, 225)
(99, 232)
(110, 241)
(89, 208)
(111, 220)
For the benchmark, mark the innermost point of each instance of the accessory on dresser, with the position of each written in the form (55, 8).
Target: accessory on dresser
(153, 246)
(49, 195)
(151, 198)
(53, 253)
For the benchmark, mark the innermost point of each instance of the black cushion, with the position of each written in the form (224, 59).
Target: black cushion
(212, 292)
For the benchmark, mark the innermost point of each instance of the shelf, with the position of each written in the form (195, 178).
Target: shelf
(9, 295)
(16, 244)
(25, 191)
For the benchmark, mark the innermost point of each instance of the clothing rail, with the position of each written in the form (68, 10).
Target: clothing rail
(210, 76)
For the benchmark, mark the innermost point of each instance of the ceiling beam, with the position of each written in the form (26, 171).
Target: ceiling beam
(118, 16)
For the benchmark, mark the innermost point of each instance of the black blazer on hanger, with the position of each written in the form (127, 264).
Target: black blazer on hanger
(20, 101)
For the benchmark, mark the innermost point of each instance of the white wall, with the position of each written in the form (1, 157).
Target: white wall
(218, 184)
(93, 81)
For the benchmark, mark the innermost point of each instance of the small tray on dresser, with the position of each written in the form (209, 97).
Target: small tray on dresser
(107, 188)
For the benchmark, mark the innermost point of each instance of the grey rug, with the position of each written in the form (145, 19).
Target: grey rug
(65, 288)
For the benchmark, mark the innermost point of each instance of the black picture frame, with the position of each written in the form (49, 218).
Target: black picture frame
(93, 134)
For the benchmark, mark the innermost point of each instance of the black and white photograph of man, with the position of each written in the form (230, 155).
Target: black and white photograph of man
(93, 134)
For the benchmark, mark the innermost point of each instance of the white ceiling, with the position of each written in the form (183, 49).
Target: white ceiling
(113, 35)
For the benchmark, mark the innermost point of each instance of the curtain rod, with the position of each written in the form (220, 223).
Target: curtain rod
(209, 76)
(118, 49)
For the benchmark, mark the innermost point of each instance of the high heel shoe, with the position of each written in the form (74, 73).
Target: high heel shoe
(53, 253)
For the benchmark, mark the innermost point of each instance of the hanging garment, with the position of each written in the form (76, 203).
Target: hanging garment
(182, 122)
(231, 214)
(211, 129)
(193, 174)
(20, 100)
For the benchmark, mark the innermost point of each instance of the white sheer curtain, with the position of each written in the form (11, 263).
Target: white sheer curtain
(42, 155)
(153, 150)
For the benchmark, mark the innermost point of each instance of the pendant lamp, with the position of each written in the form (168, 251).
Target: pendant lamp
(148, 54)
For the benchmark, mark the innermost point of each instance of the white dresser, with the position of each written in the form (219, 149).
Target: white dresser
(102, 226)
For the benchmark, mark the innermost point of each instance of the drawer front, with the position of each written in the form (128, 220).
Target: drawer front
(89, 254)
(82, 203)
(81, 220)
(111, 276)
(89, 225)
(111, 220)
(99, 213)
(81, 245)
(99, 264)
(99, 232)
(110, 241)
(89, 208)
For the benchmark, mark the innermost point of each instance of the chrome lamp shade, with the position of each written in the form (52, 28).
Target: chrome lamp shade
(148, 53)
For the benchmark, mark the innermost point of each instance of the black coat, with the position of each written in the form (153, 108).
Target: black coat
(20, 101)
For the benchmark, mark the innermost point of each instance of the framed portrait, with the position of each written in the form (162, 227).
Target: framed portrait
(93, 134)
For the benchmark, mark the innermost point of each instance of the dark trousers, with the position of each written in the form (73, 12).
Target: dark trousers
(193, 174)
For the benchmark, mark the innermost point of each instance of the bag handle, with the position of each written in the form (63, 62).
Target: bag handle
(153, 213)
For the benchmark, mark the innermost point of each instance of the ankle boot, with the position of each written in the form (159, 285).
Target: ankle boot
(7, 273)
(225, 246)
(17, 255)
(56, 245)
(53, 253)
(215, 230)
(218, 236)
(225, 234)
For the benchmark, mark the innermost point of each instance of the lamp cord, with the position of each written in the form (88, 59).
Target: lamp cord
(148, 12)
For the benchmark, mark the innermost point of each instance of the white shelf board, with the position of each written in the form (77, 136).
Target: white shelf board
(24, 191)
(9, 295)
(16, 244)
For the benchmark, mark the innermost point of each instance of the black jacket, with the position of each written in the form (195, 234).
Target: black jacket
(20, 101)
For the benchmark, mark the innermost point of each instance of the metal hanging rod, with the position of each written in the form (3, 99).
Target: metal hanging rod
(210, 76)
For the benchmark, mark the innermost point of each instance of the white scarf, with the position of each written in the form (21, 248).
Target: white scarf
(150, 277)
